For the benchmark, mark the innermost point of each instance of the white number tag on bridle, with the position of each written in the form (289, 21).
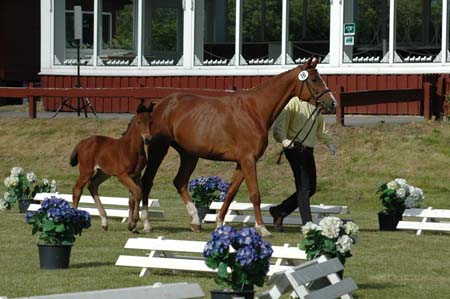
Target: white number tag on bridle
(303, 75)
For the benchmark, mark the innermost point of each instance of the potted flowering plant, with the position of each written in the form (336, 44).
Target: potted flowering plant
(206, 190)
(241, 259)
(58, 224)
(331, 237)
(21, 187)
(395, 196)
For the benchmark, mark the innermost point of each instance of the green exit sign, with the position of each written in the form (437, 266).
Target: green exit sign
(349, 28)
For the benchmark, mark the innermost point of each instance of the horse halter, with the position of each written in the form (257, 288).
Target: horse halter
(313, 96)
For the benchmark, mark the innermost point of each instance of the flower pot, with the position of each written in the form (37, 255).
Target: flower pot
(202, 211)
(24, 204)
(54, 256)
(388, 222)
(231, 294)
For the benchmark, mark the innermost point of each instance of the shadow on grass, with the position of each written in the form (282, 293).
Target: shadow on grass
(91, 265)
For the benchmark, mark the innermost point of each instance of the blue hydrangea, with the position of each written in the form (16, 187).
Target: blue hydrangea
(246, 255)
(207, 189)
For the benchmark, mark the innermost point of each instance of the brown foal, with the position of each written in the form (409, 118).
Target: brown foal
(100, 157)
(233, 127)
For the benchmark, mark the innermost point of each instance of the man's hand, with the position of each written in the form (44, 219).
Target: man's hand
(287, 144)
(332, 149)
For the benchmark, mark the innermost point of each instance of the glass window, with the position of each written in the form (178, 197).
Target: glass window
(309, 30)
(217, 44)
(419, 29)
(366, 31)
(163, 32)
(118, 32)
(65, 48)
(261, 31)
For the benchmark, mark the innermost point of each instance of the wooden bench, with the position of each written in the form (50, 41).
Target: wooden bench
(428, 219)
(300, 279)
(116, 207)
(426, 95)
(188, 256)
(237, 210)
(181, 290)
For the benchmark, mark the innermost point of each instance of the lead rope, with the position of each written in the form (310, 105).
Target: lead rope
(301, 129)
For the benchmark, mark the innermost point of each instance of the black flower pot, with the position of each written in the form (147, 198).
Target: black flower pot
(231, 294)
(24, 204)
(388, 222)
(202, 211)
(54, 256)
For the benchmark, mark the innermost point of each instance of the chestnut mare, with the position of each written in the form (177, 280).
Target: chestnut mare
(100, 157)
(232, 127)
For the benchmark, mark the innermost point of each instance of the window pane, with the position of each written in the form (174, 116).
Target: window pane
(65, 49)
(118, 32)
(419, 27)
(261, 31)
(163, 32)
(309, 29)
(369, 43)
(217, 44)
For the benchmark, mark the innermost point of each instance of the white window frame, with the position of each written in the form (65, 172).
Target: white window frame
(189, 68)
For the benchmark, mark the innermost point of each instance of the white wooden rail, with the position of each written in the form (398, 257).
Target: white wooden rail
(114, 206)
(428, 219)
(188, 255)
(237, 209)
(300, 279)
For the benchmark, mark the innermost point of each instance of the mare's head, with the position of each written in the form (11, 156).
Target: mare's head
(311, 87)
(143, 121)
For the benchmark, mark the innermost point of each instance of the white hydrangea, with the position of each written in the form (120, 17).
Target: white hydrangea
(16, 171)
(401, 182)
(330, 227)
(344, 244)
(392, 185)
(11, 181)
(310, 226)
(351, 228)
(53, 186)
(31, 177)
(45, 182)
(3, 205)
(400, 192)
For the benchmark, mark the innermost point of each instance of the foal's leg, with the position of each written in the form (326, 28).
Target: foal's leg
(181, 181)
(236, 182)
(96, 181)
(133, 203)
(82, 180)
(249, 170)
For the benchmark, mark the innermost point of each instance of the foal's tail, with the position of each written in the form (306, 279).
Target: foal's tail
(74, 156)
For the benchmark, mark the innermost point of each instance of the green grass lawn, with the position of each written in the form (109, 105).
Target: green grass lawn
(384, 264)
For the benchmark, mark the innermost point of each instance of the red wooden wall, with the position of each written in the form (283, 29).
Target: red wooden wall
(349, 82)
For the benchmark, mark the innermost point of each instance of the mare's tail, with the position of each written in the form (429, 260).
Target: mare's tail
(74, 156)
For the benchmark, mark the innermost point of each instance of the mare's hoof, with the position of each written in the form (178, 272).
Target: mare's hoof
(134, 231)
(104, 228)
(196, 228)
(262, 230)
(147, 230)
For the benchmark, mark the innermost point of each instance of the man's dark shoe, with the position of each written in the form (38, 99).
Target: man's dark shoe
(277, 219)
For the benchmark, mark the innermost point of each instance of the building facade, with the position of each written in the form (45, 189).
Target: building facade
(236, 44)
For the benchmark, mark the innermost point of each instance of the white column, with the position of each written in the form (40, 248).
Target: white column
(140, 34)
(188, 33)
(47, 51)
(97, 30)
(238, 37)
(444, 38)
(284, 30)
(336, 34)
(392, 29)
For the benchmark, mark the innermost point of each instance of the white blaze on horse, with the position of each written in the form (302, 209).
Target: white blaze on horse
(232, 127)
(100, 157)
